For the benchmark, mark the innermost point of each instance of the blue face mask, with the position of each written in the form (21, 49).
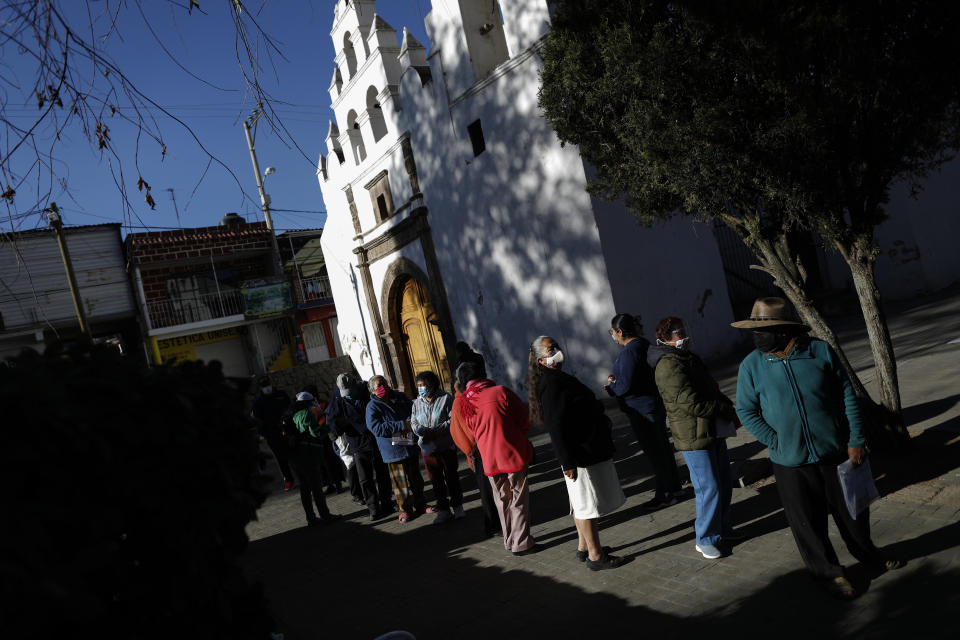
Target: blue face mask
(422, 392)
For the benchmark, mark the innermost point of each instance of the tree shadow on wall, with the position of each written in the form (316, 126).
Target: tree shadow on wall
(354, 581)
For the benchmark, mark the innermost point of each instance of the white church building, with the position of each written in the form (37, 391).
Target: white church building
(454, 214)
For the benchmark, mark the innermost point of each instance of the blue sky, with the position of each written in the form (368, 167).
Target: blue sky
(204, 43)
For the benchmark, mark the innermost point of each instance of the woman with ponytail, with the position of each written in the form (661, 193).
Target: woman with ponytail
(633, 385)
(580, 432)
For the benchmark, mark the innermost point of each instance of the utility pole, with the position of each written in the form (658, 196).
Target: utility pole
(249, 128)
(53, 217)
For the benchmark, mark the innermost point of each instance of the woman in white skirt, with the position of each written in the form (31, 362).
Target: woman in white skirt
(580, 431)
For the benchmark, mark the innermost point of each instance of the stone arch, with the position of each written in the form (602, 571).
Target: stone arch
(378, 124)
(350, 55)
(356, 137)
(395, 280)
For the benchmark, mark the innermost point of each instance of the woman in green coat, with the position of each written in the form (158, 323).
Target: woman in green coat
(695, 406)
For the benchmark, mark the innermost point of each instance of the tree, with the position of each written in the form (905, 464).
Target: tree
(64, 71)
(766, 116)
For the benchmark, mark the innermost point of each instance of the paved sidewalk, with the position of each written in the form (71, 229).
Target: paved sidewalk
(354, 579)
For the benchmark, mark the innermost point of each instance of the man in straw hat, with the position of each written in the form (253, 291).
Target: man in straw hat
(794, 396)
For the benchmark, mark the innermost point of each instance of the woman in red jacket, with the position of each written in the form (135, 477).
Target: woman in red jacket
(499, 421)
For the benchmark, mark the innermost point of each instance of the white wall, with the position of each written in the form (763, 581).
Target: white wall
(671, 269)
(513, 227)
(918, 242)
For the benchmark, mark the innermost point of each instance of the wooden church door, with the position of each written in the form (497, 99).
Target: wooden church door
(422, 340)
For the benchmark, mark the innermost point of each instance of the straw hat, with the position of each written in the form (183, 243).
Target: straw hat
(768, 312)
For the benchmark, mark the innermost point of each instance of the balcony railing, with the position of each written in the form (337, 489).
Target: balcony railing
(197, 308)
(313, 289)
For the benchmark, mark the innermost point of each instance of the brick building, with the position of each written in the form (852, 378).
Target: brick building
(208, 294)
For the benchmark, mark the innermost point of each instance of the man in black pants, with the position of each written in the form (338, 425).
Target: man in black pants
(346, 415)
(794, 396)
(268, 408)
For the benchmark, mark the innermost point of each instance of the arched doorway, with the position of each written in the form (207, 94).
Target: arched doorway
(420, 333)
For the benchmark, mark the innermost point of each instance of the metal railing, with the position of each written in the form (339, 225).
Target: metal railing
(196, 308)
(313, 289)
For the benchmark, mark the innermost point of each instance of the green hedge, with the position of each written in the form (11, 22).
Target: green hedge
(125, 494)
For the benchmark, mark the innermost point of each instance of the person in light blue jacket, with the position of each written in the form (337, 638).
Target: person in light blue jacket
(794, 396)
(430, 422)
(388, 418)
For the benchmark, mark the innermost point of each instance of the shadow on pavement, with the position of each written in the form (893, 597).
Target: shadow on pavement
(934, 452)
(352, 581)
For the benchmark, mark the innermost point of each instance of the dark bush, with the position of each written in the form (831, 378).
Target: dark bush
(125, 494)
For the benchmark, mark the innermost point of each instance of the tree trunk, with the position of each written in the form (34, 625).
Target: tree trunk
(787, 273)
(860, 259)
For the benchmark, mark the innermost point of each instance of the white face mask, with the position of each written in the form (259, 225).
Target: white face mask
(555, 361)
(613, 337)
(683, 343)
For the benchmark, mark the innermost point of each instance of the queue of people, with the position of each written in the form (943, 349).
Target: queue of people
(792, 395)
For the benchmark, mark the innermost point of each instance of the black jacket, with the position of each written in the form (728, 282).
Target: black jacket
(578, 426)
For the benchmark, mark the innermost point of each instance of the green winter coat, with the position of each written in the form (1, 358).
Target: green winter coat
(691, 398)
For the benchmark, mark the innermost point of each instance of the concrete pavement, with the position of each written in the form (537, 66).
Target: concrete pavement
(354, 579)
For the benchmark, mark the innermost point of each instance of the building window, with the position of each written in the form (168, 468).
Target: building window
(380, 196)
(476, 137)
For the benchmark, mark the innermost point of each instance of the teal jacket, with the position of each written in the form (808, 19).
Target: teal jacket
(803, 407)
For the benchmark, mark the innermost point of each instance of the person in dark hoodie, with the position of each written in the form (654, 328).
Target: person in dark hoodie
(632, 384)
(388, 418)
(347, 415)
(694, 406)
(580, 432)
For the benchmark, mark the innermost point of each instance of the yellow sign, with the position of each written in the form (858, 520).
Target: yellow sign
(181, 348)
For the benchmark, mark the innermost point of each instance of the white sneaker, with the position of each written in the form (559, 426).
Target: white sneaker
(442, 517)
(709, 551)
(458, 512)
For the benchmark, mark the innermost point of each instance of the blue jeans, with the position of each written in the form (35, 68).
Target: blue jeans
(710, 474)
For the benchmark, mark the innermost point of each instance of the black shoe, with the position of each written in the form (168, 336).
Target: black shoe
(659, 502)
(330, 490)
(606, 562)
(582, 556)
(312, 522)
(527, 552)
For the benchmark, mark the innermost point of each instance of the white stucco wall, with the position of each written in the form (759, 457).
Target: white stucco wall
(670, 269)
(918, 247)
(513, 227)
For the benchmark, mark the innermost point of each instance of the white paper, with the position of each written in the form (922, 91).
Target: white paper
(859, 491)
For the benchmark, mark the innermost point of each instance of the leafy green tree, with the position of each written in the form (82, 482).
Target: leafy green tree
(772, 117)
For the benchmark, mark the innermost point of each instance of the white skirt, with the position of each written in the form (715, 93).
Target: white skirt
(596, 491)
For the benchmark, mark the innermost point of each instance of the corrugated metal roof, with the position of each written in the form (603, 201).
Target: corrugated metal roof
(34, 284)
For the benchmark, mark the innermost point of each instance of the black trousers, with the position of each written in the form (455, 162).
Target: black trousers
(332, 466)
(281, 450)
(307, 461)
(374, 479)
(491, 518)
(651, 433)
(354, 479)
(809, 493)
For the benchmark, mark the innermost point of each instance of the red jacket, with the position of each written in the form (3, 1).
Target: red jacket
(499, 420)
